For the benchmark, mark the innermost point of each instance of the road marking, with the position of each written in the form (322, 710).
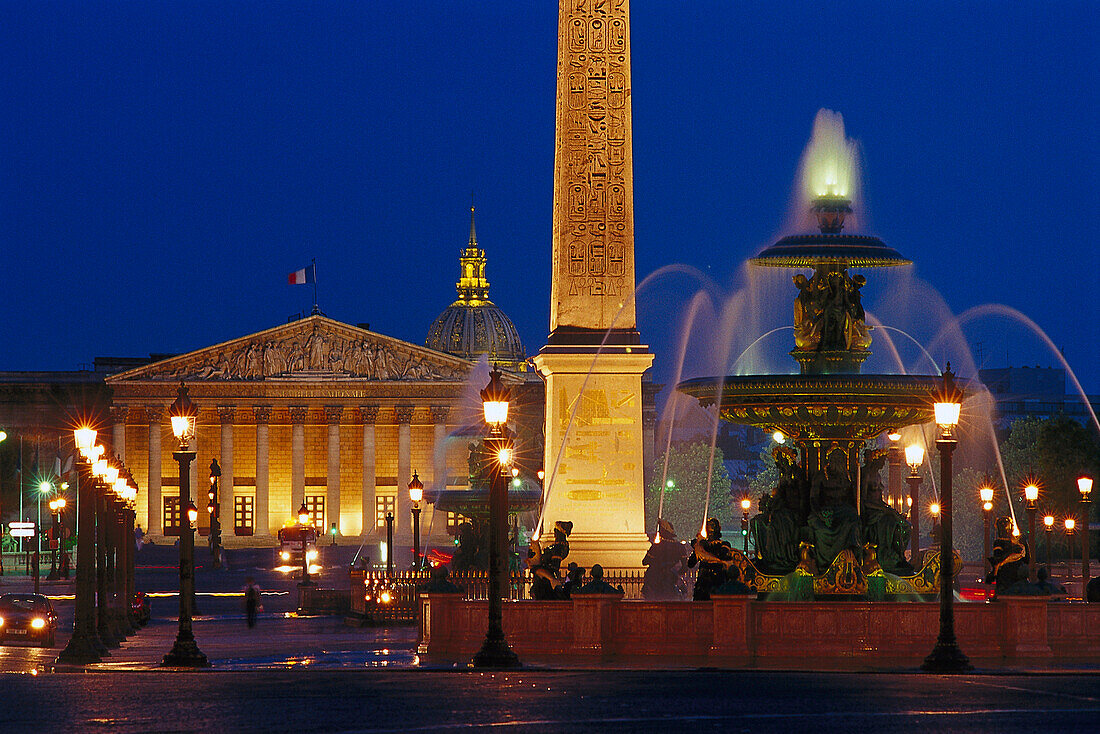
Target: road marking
(1036, 691)
(573, 722)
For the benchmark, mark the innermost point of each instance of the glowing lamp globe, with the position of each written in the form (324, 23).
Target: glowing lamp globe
(192, 512)
(184, 415)
(110, 475)
(986, 493)
(1070, 524)
(746, 504)
(44, 487)
(1049, 521)
(120, 487)
(416, 489)
(99, 468)
(894, 436)
(914, 455)
(84, 438)
(303, 515)
(934, 508)
(988, 506)
(505, 456)
(494, 400)
(947, 415)
(1031, 492)
(1084, 486)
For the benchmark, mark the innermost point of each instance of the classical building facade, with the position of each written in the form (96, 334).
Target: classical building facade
(315, 412)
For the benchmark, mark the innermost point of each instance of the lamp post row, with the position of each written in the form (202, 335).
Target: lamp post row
(105, 548)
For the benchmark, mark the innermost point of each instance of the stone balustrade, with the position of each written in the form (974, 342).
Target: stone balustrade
(742, 631)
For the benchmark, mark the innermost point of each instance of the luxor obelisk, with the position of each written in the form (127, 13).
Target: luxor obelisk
(593, 360)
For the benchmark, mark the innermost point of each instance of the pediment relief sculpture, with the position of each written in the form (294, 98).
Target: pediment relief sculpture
(310, 349)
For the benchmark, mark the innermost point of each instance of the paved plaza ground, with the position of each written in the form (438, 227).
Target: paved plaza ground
(309, 674)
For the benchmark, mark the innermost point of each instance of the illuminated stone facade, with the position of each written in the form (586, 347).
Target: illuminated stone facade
(314, 411)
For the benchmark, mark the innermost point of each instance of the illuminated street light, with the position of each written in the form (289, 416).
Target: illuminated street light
(416, 494)
(1031, 497)
(946, 657)
(495, 651)
(985, 491)
(914, 457)
(1084, 486)
(185, 652)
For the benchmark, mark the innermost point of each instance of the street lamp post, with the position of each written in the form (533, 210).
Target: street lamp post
(1031, 496)
(1048, 523)
(57, 504)
(746, 503)
(305, 526)
(1071, 524)
(495, 652)
(389, 545)
(3, 437)
(416, 494)
(896, 461)
(1084, 486)
(946, 657)
(934, 510)
(104, 548)
(914, 457)
(215, 509)
(185, 652)
(84, 646)
(985, 491)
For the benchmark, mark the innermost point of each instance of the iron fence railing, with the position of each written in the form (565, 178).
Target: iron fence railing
(367, 588)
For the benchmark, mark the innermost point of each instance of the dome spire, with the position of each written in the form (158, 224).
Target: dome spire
(473, 233)
(472, 285)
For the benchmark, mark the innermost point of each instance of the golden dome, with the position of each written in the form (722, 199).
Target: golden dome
(473, 325)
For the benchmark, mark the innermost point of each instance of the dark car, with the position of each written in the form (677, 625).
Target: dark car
(27, 617)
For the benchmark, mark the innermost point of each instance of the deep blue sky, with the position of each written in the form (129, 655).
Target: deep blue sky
(163, 166)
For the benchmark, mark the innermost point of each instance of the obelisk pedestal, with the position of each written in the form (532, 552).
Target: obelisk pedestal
(594, 360)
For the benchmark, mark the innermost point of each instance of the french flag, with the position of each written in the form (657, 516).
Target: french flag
(305, 275)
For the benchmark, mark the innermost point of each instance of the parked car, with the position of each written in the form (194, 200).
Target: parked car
(27, 617)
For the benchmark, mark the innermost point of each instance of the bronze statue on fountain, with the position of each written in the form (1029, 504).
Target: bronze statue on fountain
(827, 506)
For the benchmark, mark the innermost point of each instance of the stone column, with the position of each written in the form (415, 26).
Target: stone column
(227, 415)
(368, 414)
(403, 517)
(261, 521)
(298, 415)
(332, 417)
(438, 415)
(118, 431)
(154, 522)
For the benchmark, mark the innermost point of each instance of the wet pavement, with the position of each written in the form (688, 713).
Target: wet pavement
(315, 674)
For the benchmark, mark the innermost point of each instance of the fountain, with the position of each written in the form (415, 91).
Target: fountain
(826, 518)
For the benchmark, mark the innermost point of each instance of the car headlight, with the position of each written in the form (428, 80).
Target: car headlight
(311, 555)
(38, 623)
(285, 556)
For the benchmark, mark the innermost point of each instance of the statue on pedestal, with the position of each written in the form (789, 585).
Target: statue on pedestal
(1008, 561)
(883, 526)
(712, 555)
(664, 561)
(545, 563)
(833, 523)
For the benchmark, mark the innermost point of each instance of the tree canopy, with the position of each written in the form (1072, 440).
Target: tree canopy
(685, 490)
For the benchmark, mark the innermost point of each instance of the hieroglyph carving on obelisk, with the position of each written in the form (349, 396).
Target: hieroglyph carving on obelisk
(594, 361)
(593, 260)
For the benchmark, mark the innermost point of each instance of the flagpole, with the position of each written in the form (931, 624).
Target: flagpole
(313, 264)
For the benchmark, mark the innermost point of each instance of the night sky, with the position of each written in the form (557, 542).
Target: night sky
(163, 166)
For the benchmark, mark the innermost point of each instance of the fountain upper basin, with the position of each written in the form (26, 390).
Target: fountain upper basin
(825, 407)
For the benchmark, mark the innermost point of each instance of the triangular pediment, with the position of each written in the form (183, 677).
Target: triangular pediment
(316, 347)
